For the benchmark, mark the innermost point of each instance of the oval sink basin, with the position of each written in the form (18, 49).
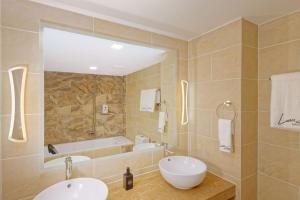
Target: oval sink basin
(182, 172)
(75, 189)
(61, 161)
(144, 146)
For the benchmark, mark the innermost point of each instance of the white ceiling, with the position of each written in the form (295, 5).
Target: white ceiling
(185, 19)
(73, 52)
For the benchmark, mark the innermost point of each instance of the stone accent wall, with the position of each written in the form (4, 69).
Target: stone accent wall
(69, 106)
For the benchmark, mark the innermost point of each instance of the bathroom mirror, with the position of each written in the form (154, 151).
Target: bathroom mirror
(105, 96)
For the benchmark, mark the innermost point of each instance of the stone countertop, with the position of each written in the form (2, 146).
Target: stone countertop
(153, 187)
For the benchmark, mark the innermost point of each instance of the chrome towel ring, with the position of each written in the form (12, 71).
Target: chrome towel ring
(226, 106)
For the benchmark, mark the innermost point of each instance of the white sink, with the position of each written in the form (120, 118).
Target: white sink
(182, 172)
(61, 161)
(75, 189)
(144, 146)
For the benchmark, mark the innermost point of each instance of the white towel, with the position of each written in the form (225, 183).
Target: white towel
(225, 135)
(285, 101)
(148, 100)
(162, 122)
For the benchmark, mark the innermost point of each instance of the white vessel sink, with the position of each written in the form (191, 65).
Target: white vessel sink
(182, 172)
(61, 161)
(75, 189)
(144, 146)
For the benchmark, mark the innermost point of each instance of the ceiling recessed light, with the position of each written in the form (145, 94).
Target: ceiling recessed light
(117, 46)
(93, 67)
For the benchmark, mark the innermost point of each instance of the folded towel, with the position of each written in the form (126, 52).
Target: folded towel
(162, 121)
(225, 135)
(148, 100)
(285, 101)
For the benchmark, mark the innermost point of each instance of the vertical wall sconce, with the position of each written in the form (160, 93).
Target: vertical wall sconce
(17, 79)
(184, 102)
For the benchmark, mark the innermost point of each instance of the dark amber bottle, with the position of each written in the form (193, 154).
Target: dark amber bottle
(128, 180)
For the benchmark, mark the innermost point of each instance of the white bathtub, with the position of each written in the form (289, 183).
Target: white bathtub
(87, 145)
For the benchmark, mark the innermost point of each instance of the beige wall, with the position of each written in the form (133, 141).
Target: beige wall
(249, 111)
(68, 106)
(164, 77)
(169, 80)
(0, 107)
(279, 155)
(137, 122)
(221, 67)
(23, 173)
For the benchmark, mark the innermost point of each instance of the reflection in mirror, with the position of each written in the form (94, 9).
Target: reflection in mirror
(17, 79)
(103, 96)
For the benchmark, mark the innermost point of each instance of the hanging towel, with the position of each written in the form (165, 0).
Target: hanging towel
(162, 122)
(285, 101)
(225, 135)
(148, 100)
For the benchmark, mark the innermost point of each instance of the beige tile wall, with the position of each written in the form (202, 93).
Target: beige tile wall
(249, 114)
(164, 77)
(137, 122)
(0, 104)
(279, 153)
(223, 66)
(211, 84)
(23, 173)
(169, 76)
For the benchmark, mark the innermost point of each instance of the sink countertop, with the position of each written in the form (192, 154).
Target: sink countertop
(153, 187)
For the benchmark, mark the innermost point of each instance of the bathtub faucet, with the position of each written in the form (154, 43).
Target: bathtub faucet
(68, 162)
(52, 149)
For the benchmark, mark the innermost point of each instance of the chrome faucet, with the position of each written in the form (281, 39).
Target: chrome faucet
(68, 162)
(167, 151)
(52, 149)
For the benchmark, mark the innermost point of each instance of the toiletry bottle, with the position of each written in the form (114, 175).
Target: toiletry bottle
(128, 180)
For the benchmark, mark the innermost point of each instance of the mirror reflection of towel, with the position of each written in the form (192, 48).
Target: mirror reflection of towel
(148, 100)
(285, 101)
(162, 121)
